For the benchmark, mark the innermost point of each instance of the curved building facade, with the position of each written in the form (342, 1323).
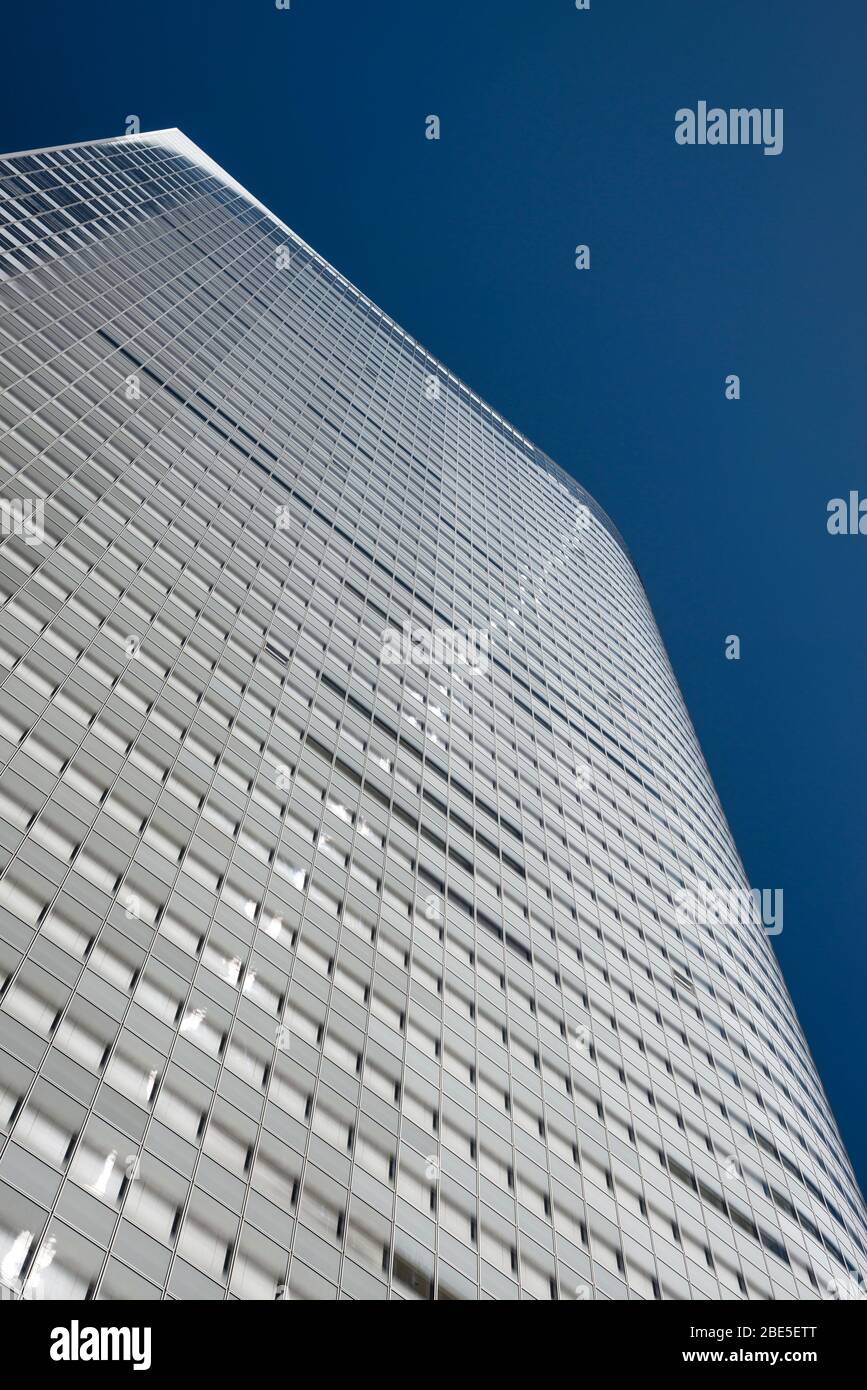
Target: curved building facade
(369, 923)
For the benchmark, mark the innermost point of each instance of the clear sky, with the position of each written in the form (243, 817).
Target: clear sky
(557, 128)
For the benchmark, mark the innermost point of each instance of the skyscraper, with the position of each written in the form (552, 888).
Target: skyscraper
(369, 923)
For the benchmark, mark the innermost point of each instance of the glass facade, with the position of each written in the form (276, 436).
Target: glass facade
(348, 807)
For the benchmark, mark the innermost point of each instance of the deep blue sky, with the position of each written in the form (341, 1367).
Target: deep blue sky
(558, 128)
